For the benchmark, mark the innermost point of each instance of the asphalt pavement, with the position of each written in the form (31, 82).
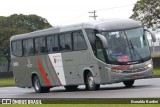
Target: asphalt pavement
(143, 88)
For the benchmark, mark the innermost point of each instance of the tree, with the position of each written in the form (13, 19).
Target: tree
(148, 13)
(5, 34)
(18, 24)
(24, 22)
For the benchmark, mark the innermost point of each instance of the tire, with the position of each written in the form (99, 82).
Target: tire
(90, 83)
(37, 86)
(71, 88)
(128, 83)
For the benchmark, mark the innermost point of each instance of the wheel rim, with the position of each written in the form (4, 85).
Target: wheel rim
(37, 85)
(90, 81)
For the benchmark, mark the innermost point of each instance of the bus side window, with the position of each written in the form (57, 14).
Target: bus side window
(17, 48)
(49, 43)
(68, 41)
(52, 43)
(30, 48)
(14, 46)
(79, 41)
(65, 42)
(99, 52)
(55, 46)
(62, 42)
(25, 46)
(91, 34)
(40, 45)
(37, 43)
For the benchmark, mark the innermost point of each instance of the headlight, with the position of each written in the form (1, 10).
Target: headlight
(149, 66)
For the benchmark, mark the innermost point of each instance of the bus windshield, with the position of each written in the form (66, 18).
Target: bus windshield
(126, 46)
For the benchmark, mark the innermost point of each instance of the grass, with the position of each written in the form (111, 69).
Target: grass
(7, 82)
(85, 105)
(156, 71)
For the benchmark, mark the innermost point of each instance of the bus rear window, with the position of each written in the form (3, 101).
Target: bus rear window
(17, 48)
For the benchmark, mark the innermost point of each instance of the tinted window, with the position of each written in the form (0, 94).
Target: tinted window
(25, 47)
(28, 48)
(49, 44)
(14, 46)
(68, 42)
(79, 41)
(91, 36)
(52, 43)
(40, 45)
(100, 53)
(17, 48)
(62, 42)
(65, 42)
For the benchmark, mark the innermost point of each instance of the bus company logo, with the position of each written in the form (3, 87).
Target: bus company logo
(55, 60)
(29, 63)
(6, 101)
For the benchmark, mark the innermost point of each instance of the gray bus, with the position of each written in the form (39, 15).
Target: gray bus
(90, 54)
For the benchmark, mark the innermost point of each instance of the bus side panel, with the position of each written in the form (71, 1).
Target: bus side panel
(104, 73)
(50, 76)
(19, 72)
(74, 63)
(24, 67)
(46, 71)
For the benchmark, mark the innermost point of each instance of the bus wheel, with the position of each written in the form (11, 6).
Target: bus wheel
(37, 86)
(71, 88)
(128, 83)
(90, 83)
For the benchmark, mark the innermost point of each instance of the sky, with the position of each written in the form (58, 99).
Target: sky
(64, 12)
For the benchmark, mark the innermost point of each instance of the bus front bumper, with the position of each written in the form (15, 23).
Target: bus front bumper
(120, 77)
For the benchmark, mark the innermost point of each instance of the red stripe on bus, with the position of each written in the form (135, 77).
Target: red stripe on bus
(42, 71)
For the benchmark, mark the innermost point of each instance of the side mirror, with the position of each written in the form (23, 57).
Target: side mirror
(103, 40)
(152, 34)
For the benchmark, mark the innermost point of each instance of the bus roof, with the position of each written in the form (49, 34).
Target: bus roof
(107, 25)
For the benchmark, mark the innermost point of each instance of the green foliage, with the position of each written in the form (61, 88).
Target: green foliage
(6, 33)
(156, 71)
(7, 82)
(148, 13)
(24, 22)
(18, 24)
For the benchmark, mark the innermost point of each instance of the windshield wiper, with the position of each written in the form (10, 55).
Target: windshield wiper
(134, 48)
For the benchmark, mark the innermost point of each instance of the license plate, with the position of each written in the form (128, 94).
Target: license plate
(134, 76)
